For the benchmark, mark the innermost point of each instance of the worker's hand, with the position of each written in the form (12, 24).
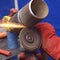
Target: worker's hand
(33, 56)
(50, 41)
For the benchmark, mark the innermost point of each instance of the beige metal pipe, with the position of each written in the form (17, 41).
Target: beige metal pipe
(31, 13)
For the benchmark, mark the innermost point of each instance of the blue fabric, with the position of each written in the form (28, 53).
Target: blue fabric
(12, 40)
(50, 58)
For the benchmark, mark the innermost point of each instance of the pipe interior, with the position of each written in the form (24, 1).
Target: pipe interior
(39, 9)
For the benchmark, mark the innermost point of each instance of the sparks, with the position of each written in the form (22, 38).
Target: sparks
(12, 25)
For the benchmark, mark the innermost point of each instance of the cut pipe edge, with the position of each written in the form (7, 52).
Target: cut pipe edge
(44, 10)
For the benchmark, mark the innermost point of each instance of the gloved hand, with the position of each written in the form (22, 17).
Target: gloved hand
(50, 42)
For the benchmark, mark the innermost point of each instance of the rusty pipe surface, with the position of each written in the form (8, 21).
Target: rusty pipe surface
(31, 13)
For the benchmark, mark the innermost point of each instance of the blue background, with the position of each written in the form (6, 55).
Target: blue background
(54, 11)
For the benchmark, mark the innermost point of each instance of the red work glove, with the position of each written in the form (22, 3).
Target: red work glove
(22, 56)
(50, 42)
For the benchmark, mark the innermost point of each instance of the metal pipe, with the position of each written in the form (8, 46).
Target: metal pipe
(31, 13)
(16, 4)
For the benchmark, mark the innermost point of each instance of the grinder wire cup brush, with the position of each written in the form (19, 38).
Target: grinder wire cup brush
(30, 39)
